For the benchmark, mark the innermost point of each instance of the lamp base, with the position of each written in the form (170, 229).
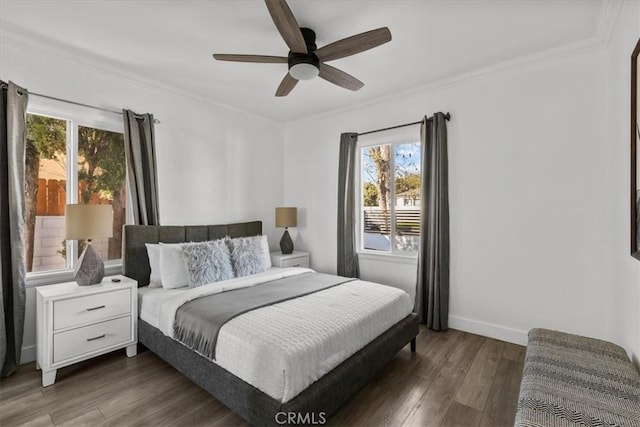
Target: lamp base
(286, 244)
(90, 268)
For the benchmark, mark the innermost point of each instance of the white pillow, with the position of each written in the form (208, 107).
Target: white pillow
(267, 254)
(153, 251)
(172, 267)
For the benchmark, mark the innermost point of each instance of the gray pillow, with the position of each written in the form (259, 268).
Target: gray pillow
(247, 255)
(207, 262)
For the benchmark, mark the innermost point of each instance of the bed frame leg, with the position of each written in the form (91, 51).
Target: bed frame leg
(413, 345)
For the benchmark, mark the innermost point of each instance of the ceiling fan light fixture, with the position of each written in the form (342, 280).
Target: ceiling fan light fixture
(305, 60)
(304, 71)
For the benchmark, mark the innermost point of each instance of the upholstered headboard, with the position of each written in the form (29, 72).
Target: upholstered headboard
(135, 262)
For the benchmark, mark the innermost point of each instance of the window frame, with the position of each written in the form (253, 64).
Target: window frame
(394, 138)
(75, 116)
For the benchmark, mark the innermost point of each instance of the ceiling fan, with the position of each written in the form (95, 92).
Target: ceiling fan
(305, 60)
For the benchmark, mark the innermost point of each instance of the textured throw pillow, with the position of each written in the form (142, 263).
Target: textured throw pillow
(207, 262)
(173, 270)
(249, 255)
(153, 251)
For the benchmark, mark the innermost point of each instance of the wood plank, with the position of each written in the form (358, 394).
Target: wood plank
(91, 418)
(137, 400)
(474, 390)
(404, 393)
(41, 421)
(415, 389)
(432, 349)
(62, 397)
(500, 409)
(22, 410)
(230, 420)
(400, 399)
(180, 397)
(18, 385)
(437, 353)
(460, 415)
(82, 376)
(359, 405)
(434, 405)
(204, 415)
(514, 352)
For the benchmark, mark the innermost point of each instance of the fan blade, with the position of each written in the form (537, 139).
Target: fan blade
(340, 78)
(354, 44)
(287, 25)
(286, 85)
(265, 59)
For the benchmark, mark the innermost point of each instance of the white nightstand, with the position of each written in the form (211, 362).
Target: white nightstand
(295, 259)
(76, 323)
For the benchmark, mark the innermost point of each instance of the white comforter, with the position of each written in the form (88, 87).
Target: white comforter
(283, 348)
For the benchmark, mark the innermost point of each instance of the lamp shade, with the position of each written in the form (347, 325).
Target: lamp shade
(286, 217)
(88, 221)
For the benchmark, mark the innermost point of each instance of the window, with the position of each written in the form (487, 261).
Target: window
(390, 181)
(70, 158)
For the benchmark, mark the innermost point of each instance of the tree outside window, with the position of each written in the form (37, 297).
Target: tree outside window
(60, 152)
(390, 188)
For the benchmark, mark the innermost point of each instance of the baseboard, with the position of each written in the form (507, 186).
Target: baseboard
(28, 354)
(490, 330)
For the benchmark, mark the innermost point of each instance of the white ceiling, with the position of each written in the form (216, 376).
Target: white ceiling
(171, 42)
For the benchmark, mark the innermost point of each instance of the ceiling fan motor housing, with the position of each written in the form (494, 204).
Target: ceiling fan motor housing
(305, 66)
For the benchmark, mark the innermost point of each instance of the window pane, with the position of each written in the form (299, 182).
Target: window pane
(45, 193)
(376, 192)
(101, 180)
(407, 192)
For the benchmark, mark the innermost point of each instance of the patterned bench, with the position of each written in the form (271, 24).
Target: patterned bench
(571, 380)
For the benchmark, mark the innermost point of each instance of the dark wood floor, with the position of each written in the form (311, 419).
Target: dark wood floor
(454, 379)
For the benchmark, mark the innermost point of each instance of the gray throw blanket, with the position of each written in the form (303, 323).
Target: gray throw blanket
(198, 321)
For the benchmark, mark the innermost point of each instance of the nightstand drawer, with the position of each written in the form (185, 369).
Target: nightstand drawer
(90, 308)
(302, 261)
(90, 338)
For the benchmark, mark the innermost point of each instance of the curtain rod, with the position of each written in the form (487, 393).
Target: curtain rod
(156, 121)
(446, 116)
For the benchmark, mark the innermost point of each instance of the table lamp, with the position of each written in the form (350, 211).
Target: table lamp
(89, 222)
(286, 217)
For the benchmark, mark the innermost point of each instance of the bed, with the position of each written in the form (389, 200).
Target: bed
(315, 402)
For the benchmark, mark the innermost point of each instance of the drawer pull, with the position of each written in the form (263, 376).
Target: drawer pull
(96, 338)
(96, 308)
(296, 265)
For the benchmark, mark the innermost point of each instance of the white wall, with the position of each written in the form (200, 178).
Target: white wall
(624, 273)
(529, 194)
(215, 165)
(539, 180)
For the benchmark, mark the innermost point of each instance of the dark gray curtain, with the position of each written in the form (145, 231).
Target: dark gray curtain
(347, 256)
(13, 107)
(638, 220)
(142, 175)
(432, 287)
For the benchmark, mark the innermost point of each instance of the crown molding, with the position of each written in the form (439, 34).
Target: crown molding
(539, 59)
(611, 10)
(606, 23)
(22, 39)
